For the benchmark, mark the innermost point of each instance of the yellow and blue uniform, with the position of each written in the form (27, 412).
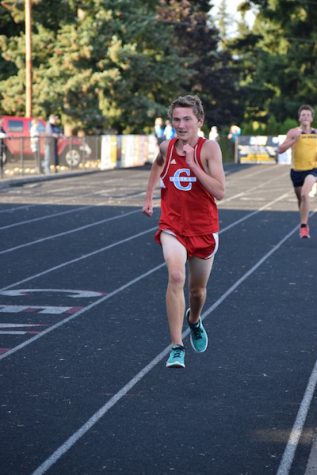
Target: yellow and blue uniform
(304, 158)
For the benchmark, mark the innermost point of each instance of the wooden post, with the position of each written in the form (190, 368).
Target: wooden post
(28, 58)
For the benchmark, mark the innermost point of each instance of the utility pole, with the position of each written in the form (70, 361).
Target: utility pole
(28, 58)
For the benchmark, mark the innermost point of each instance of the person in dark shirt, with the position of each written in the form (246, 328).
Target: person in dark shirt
(52, 132)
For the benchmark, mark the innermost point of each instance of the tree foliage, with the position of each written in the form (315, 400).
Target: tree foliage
(213, 76)
(278, 59)
(108, 64)
(99, 64)
(116, 64)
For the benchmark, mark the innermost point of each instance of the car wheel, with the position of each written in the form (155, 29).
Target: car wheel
(72, 157)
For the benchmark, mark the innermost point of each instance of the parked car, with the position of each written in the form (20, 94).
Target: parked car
(71, 150)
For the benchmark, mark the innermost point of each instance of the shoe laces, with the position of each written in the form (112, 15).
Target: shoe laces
(177, 351)
(197, 331)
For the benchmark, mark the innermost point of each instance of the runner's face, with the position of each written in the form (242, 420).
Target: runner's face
(185, 123)
(305, 117)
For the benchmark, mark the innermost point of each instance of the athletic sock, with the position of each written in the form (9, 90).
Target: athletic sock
(303, 225)
(195, 324)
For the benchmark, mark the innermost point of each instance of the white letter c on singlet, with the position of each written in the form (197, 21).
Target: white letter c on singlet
(177, 179)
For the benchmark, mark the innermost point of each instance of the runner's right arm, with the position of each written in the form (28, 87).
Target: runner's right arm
(154, 177)
(291, 137)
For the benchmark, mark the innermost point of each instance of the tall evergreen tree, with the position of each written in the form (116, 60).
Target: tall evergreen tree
(102, 64)
(279, 58)
(197, 39)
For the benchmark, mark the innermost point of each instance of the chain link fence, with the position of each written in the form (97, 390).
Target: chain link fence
(21, 156)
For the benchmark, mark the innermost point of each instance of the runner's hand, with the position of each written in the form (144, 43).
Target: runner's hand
(148, 208)
(189, 151)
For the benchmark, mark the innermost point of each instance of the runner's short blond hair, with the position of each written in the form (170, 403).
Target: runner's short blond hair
(193, 102)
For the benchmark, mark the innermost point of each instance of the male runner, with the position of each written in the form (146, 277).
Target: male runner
(303, 140)
(191, 175)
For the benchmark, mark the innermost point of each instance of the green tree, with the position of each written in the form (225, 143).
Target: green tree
(212, 72)
(116, 64)
(99, 64)
(278, 59)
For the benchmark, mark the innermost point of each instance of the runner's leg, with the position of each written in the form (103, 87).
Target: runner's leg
(199, 272)
(298, 191)
(175, 256)
(305, 200)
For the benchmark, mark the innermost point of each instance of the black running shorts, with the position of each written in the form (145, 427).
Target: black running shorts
(298, 176)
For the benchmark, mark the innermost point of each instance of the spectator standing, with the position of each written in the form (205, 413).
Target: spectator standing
(233, 136)
(213, 134)
(169, 131)
(159, 130)
(35, 141)
(52, 132)
(234, 133)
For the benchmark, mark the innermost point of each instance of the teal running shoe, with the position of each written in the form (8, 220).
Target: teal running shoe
(198, 334)
(176, 358)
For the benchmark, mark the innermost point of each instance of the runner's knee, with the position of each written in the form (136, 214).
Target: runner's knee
(177, 277)
(197, 292)
(304, 195)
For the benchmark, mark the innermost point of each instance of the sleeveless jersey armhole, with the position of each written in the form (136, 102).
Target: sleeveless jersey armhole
(169, 154)
(198, 148)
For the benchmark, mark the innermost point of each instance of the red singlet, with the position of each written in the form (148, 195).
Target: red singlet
(187, 208)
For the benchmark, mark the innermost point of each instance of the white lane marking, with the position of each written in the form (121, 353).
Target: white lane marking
(72, 261)
(250, 190)
(19, 325)
(297, 429)
(82, 257)
(46, 309)
(166, 350)
(282, 197)
(231, 198)
(83, 310)
(74, 294)
(125, 389)
(42, 218)
(50, 309)
(17, 208)
(65, 233)
(254, 173)
(77, 259)
(13, 308)
(48, 216)
(51, 203)
(61, 200)
(74, 210)
(14, 332)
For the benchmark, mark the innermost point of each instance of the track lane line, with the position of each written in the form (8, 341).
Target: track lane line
(85, 256)
(80, 312)
(70, 231)
(77, 259)
(297, 429)
(62, 449)
(31, 340)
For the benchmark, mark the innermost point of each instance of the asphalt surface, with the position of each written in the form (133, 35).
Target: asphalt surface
(84, 339)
